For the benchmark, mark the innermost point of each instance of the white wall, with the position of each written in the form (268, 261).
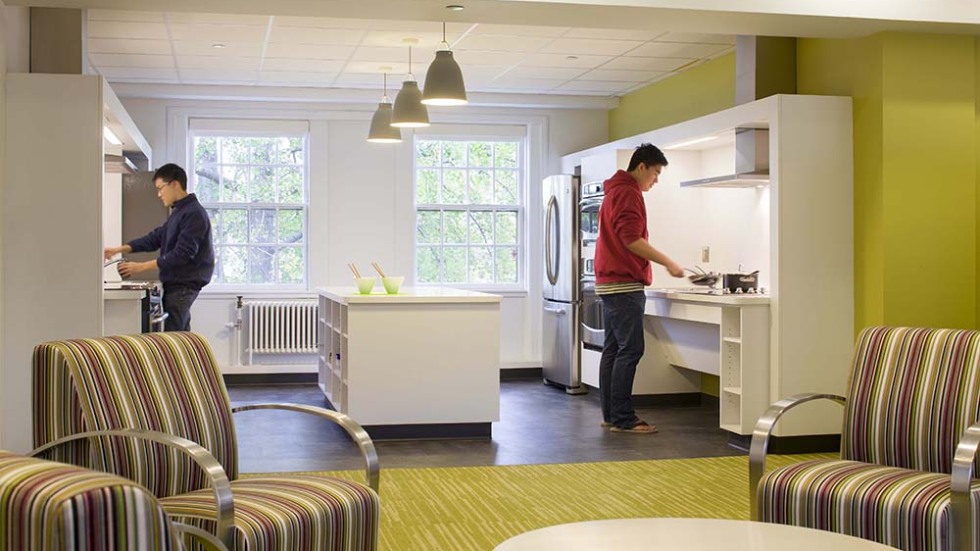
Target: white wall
(361, 202)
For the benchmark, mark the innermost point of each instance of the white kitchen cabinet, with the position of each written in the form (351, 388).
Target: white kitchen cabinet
(601, 166)
(744, 366)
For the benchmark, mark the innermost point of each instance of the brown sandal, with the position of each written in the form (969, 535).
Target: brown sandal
(641, 427)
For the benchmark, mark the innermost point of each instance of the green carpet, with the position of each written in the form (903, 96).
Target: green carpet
(476, 508)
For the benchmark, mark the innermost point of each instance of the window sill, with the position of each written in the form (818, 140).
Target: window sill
(509, 292)
(252, 294)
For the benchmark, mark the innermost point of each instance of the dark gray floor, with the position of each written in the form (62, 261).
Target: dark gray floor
(538, 424)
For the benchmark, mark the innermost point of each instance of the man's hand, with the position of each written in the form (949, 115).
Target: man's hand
(674, 269)
(127, 269)
(110, 252)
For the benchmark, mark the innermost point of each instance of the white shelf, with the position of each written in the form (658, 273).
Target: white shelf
(731, 427)
(733, 390)
(733, 340)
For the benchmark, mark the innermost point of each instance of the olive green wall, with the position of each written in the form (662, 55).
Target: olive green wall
(915, 156)
(704, 89)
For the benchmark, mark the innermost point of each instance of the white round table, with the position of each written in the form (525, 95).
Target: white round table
(683, 534)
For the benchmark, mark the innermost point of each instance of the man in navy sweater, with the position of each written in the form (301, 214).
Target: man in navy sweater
(186, 260)
(622, 268)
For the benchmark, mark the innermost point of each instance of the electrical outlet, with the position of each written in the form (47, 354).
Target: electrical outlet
(705, 254)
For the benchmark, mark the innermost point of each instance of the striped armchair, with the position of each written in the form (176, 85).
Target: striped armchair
(908, 447)
(48, 506)
(170, 383)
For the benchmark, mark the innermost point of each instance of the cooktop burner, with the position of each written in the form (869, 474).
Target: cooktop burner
(713, 291)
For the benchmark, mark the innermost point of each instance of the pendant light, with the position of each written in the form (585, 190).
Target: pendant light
(444, 80)
(408, 111)
(381, 129)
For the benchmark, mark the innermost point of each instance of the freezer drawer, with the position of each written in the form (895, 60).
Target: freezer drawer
(560, 346)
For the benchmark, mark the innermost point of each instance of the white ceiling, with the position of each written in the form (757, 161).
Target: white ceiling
(235, 49)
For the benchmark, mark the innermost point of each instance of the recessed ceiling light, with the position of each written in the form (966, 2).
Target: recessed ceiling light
(691, 142)
(218, 46)
(454, 7)
(571, 57)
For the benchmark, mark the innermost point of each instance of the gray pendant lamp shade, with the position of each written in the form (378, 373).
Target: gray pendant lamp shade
(408, 111)
(381, 129)
(444, 80)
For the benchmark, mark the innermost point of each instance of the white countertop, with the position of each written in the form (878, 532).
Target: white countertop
(734, 300)
(349, 295)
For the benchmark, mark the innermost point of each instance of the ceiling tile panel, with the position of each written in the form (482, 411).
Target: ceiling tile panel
(501, 42)
(613, 34)
(560, 60)
(217, 33)
(531, 84)
(563, 73)
(382, 56)
(621, 75)
(365, 80)
(519, 30)
(217, 62)
(128, 46)
(428, 42)
(293, 78)
(590, 46)
(647, 63)
(314, 35)
(139, 73)
(230, 49)
(396, 73)
(127, 29)
(678, 49)
(130, 60)
(218, 76)
(411, 28)
(218, 18)
(124, 15)
(302, 65)
(323, 22)
(477, 57)
(310, 51)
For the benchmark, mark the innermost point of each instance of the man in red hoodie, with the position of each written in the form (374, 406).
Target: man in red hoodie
(622, 269)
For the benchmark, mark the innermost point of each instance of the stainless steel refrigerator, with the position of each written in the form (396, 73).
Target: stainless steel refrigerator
(561, 356)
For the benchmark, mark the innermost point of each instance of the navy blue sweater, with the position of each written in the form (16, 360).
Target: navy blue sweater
(186, 255)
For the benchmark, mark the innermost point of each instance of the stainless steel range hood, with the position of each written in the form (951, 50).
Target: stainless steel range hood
(751, 162)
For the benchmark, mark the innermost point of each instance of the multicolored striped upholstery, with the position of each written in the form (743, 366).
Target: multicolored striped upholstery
(47, 506)
(912, 394)
(169, 382)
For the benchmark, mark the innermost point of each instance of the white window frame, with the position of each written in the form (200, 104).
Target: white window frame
(229, 128)
(521, 208)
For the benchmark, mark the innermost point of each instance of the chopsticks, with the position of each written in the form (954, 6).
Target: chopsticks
(354, 270)
(377, 268)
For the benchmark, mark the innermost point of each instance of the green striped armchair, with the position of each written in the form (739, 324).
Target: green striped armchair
(169, 383)
(49, 506)
(905, 476)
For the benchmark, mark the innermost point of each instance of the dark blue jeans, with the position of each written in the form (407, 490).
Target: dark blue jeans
(621, 352)
(177, 303)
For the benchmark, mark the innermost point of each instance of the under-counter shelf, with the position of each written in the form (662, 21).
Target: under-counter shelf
(732, 340)
(733, 390)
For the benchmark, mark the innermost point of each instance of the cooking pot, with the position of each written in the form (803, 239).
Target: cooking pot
(743, 282)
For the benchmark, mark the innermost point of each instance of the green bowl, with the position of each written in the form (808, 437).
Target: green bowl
(392, 284)
(365, 284)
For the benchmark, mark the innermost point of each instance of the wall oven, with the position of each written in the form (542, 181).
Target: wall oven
(591, 330)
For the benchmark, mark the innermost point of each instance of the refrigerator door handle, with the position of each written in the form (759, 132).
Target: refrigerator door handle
(550, 217)
(555, 311)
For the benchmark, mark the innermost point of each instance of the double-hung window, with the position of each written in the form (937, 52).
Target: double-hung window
(253, 184)
(469, 212)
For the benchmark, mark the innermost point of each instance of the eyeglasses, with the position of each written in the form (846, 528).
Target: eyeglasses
(165, 184)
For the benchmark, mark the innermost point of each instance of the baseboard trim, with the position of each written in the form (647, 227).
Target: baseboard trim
(240, 379)
(788, 445)
(432, 431)
(520, 373)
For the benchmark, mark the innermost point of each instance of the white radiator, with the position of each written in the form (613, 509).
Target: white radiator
(281, 327)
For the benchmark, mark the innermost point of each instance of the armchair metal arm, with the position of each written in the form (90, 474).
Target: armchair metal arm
(207, 539)
(354, 430)
(224, 506)
(760, 439)
(960, 479)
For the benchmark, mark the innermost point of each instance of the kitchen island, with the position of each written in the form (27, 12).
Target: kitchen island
(424, 363)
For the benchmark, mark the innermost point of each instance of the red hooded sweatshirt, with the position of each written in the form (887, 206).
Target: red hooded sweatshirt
(622, 220)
